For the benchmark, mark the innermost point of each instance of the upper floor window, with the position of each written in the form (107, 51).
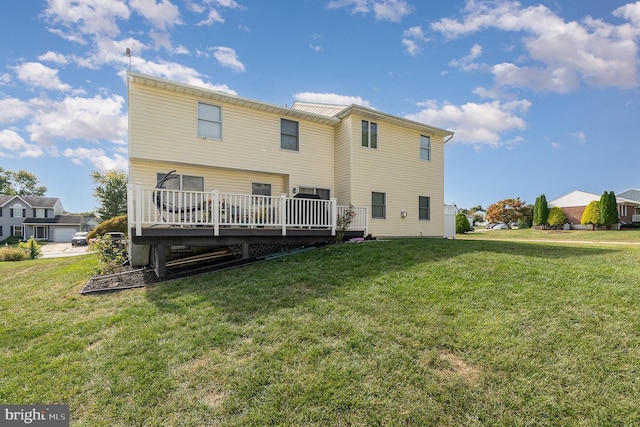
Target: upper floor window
(369, 134)
(378, 205)
(17, 212)
(424, 208)
(289, 136)
(40, 213)
(209, 121)
(425, 147)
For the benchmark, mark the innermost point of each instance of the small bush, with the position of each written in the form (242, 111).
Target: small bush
(12, 253)
(31, 248)
(462, 223)
(111, 255)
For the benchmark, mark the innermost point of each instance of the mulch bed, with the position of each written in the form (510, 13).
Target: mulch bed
(126, 279)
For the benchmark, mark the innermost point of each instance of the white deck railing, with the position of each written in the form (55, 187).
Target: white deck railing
(151, 207)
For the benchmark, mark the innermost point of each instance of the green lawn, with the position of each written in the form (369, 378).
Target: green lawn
(408, 332)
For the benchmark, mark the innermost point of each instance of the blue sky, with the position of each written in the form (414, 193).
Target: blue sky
(542, 96)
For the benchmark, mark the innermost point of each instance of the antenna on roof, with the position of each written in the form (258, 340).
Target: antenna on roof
(127, 53)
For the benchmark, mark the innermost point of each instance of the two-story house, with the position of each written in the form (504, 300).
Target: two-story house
(245, 167)
(41, 217)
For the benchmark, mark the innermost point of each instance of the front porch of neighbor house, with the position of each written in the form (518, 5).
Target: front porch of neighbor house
(164, 222)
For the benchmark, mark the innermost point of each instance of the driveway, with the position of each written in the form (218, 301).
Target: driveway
(55, 250)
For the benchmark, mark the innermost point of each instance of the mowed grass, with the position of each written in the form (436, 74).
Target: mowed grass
(404, 332)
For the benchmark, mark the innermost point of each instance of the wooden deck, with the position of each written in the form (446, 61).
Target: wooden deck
(165, 219)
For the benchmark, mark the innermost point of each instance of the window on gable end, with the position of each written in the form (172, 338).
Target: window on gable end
(209, 121)
(369, 134)
(289, 135)
(425, 147)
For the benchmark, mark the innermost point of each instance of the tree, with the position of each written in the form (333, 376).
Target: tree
(540, 211)
(608, 209)
(591, 214)
(507, 211)
(556, 217)
(21, 183)
(462, 223)
(111, 192)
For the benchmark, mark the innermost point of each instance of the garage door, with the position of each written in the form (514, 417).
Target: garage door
(63, 234)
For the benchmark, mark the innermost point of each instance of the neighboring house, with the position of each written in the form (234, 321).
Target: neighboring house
(574, 203)
(390, 169)
(41, 217)
(629, 205)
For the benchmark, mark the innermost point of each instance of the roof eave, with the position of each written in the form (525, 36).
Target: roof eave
(202, 92)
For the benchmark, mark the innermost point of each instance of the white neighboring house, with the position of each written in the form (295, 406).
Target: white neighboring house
(43, 218)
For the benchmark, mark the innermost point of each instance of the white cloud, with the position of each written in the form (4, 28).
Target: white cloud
(473, 123)
(97, 157)
(357, 6)
(228, 58)
(12, 109)
(330, 98)
(162, 15)
(5, 79)
(391, 10)
(383, 10)
(38, 75)
(562, 53)
(87, 16)
(412, 39)
(54, 57)
(91, 119)
(13, 145)
(213, 17)
(466, 62)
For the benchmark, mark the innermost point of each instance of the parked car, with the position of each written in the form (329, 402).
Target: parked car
(79, 238)
(500, 226)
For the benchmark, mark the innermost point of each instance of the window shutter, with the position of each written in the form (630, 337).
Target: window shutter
(46, 212)
(24, 212)
(34, 212)
(11, 212)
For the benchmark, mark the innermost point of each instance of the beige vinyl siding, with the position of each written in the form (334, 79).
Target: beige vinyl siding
(395, 168)
(224, 180)
(343, 162)
(163, 125)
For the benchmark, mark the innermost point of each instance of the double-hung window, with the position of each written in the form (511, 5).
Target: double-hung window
(424, 208)
(369, 134)
(209, 121)
(378, 205)
(425, 147)
(289, 135)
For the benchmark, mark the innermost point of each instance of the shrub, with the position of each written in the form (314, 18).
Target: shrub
(462, 223)
(111, 256)
(11, 240)
(12, 253)
(556, 217)
(31, 247)
(118, 223)
(591, 214)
